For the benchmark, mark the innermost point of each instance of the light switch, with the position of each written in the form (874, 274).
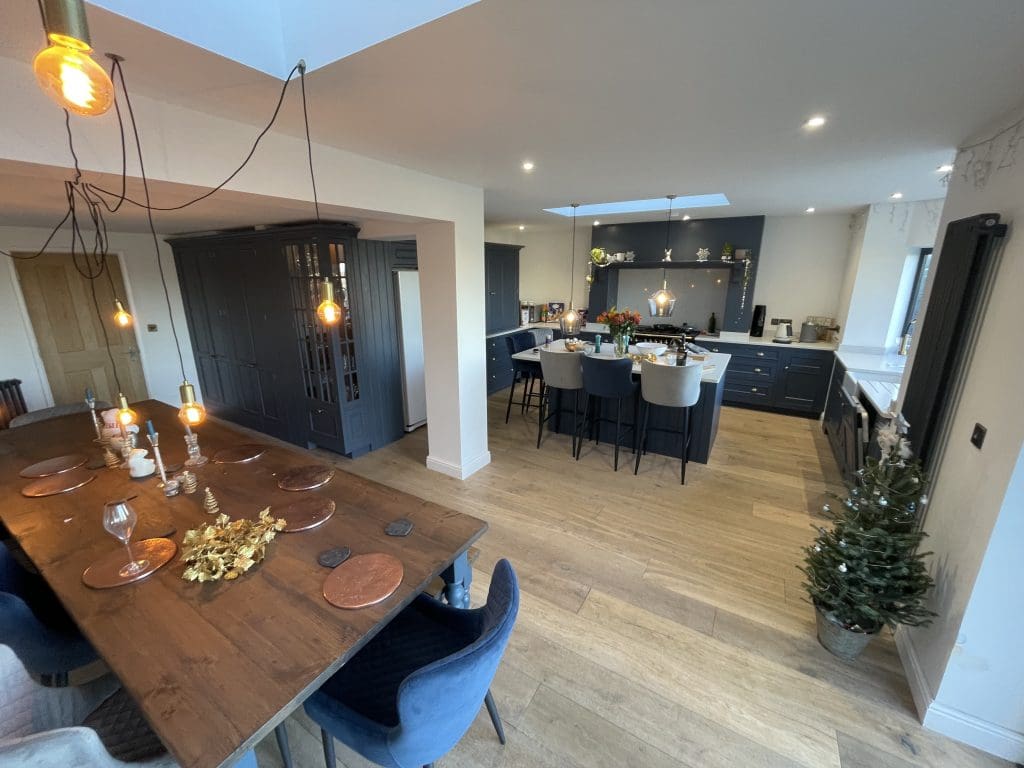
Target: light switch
(151, 327)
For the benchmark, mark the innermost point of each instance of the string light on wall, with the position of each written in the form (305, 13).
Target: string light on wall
(65, 70)
(329, 311)
(662, 303)
(570, 321)
(121, 315)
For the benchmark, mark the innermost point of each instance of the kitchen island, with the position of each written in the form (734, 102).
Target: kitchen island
(703, 416)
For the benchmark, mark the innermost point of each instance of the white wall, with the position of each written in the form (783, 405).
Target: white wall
(801, 265)
(20, 359)
(873, 285)
(969, 492)
(544, 261)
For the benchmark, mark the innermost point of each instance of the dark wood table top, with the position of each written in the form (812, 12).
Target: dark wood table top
(216, 666)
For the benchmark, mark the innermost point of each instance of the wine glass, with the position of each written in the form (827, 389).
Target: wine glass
(119, 519)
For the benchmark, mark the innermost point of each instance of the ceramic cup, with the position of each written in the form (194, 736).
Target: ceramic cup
(140, 467)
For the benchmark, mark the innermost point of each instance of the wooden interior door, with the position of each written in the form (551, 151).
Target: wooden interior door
(69, 334)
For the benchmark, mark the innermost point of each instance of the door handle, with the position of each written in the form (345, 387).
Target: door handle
(760, 354)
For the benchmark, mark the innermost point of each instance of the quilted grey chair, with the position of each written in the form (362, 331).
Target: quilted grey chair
(669, 386)
(45, 414)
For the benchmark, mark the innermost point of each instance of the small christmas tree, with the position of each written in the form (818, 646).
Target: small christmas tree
(866, 572)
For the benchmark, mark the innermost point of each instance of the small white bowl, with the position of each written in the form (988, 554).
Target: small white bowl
(651, 347)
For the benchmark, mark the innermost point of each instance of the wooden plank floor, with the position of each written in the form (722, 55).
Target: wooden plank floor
(661, 625)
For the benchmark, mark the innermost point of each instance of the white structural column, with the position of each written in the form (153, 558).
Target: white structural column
(451, 265)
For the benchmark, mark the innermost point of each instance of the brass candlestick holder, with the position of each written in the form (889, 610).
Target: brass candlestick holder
(128, 443)
(154, 440)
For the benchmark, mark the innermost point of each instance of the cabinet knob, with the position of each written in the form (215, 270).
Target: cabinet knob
(714, 349)
(491, 293)
(753, 389)
(786, 368)
(760, 354)
(757, 370)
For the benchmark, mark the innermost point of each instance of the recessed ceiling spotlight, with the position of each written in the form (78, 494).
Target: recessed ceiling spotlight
(597, 223)
(945, 168)
(686, 217)
(896, 196)
(815, 121)
(522, 227)
(810, 210)
(528, 165)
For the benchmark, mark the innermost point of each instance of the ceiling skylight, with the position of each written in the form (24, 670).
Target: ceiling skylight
(640, 206)
(271, 35)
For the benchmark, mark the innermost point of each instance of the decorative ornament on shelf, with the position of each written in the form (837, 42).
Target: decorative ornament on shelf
(569, 321)
(65, 70)
(210, 502)
(599, 257)
(868, 572)
(662, 303)
(748, 270)
(228, 548)
(703, 254)
(727, 251)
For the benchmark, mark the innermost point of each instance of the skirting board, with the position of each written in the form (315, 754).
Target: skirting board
(457, 471)
(951, 722)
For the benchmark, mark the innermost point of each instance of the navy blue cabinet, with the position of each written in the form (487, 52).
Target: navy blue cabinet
(264, 359)
(501, 283)
(775, 377)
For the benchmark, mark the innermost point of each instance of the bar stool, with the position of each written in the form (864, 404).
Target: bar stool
(605, 379)
(562, 371)
(526, 371)
(670, 386)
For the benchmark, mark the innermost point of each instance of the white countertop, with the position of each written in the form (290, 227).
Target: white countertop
(714, 365)
(881, 394)
(743, 338)
(886, 366)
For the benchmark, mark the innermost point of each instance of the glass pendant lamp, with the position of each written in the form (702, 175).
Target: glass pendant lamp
(329, 311)
(570, 321)
(121, 315)
(65, 69)
(192, 412)
(662, 303)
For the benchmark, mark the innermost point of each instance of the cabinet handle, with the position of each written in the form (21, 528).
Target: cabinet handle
(319, 411)
(714, 349)
(753, 389)
(760, 354)
(757, 370)
(491, 293)
(786, 368)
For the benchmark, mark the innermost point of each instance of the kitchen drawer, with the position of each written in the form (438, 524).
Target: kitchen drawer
(747, 393)
(757, 369)
(751, 351)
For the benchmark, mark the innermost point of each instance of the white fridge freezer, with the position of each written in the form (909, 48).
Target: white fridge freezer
(410, 343)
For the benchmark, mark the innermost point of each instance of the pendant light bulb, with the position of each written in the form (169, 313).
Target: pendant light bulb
(192, 412)
(570, 320)
(65, 70)
(121, 315)
(662, 303)
(125, 415)
(329, 311)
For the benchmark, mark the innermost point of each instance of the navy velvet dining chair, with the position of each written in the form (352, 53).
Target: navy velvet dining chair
(36, 628)
(412, 692)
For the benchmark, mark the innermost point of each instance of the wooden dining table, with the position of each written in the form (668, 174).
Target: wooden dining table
(216, 666)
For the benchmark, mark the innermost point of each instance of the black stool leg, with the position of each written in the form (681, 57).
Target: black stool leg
(329, 757)
(492, 710)
(583, 426)
(618, 430)
(511, 395)
(527, 393)
(575, 418)
(686, 444)
(281, 733)
(540, 416)
(646, 408)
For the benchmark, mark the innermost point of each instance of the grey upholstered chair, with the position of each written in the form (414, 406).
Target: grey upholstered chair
(669, 386)
(562, 371)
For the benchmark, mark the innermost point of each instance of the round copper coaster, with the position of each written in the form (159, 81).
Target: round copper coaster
(54, 466)
(54, 484)
(363, 580)
(305, 513)
(239, 454)
(103, 574)
(305, 478)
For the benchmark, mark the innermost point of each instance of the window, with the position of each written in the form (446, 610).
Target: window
(924, 261)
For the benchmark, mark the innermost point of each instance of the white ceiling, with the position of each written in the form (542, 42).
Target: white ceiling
(617, 101)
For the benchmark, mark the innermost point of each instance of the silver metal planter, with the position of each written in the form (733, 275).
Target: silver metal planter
(847, 644)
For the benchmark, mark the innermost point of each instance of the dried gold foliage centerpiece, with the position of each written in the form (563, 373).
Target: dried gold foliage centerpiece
(228, 548)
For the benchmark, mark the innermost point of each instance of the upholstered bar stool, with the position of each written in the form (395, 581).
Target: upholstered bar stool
(562, 371)
(670, 386)
(605, 379)
(526, 371)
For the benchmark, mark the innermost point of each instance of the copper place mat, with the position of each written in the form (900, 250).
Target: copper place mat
(54, 484)
(305, 478)
(306, 513)
(363, 580)
(239, 454)
(103, 574)
(54, 466)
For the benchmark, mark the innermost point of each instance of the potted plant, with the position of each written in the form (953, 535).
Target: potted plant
(867, 571)
(621, 324)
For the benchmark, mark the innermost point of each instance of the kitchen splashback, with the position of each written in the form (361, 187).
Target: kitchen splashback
(699, 292)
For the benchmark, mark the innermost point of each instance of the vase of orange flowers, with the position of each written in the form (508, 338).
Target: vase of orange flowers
(621, 324)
